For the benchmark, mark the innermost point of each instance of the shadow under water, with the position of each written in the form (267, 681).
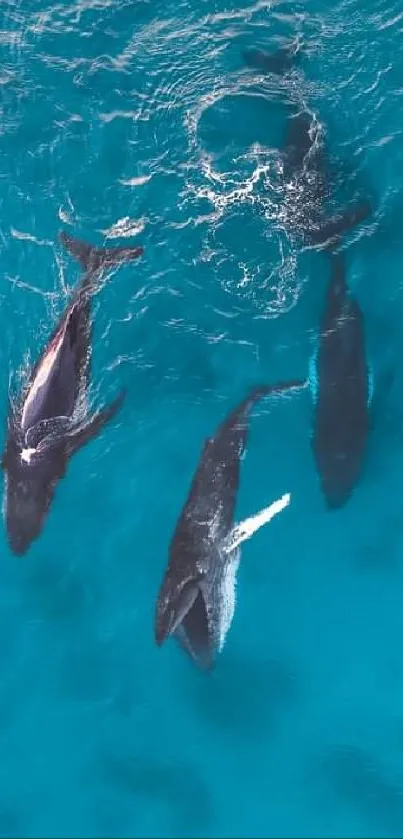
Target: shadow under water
(243, 697)
(175, 786)
(358, 779)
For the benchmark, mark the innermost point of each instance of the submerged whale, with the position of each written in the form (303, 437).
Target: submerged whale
(48, 423)
(307, 179)
(341, 385)
(196, 600)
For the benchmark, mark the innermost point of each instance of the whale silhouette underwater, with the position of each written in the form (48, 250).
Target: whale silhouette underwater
(341, 384)
(48, 422)
(308, 178)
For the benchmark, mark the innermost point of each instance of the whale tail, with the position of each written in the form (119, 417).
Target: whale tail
(240, 414)
(94, 259)
(330, 232)
(261, 391)
(284, 386)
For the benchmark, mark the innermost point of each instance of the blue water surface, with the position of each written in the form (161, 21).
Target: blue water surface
(132, 118)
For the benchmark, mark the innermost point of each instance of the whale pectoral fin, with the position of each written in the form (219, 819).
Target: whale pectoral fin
(87, 432)
(93, 259)
(331, 230)
(249, 526)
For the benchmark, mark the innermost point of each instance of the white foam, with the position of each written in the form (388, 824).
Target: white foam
(142, 179)
(26, 455)
(125, 227)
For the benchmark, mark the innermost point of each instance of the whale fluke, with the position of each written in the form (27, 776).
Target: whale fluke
(238, 419)
(261, 391)
(331, 230)
(94, 259)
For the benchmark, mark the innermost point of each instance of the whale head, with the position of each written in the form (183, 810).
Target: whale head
(183, 611)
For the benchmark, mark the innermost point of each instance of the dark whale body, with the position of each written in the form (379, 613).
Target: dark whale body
(307, 180)
(342, 388)
(192, 602)
(48, 422)
(307, 177)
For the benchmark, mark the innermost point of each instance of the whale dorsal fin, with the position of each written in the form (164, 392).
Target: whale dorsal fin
(329, 233)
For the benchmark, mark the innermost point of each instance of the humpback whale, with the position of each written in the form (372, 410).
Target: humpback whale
(306, 176)
(307, 181)
(49, 421)
(341, 386)
(196, 600)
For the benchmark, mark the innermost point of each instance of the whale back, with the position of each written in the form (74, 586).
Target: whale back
(211, 501)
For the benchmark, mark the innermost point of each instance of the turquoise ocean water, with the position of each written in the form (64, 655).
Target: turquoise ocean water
(140, 119)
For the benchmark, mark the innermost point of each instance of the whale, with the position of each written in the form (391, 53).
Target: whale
(196, 600)
(341, 384)
(48, 421)
(307, 178)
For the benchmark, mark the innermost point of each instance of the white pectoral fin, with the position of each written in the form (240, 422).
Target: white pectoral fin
(249, 526)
